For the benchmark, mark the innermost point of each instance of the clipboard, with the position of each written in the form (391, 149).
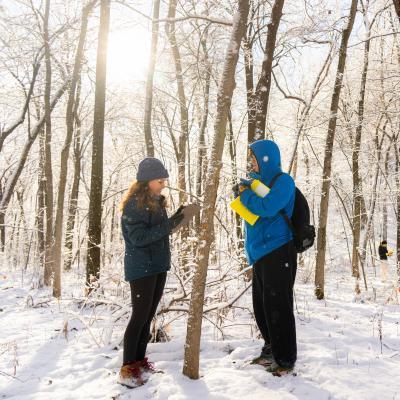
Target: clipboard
(188, 212)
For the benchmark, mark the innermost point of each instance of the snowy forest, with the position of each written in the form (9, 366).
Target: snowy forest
(91, 87)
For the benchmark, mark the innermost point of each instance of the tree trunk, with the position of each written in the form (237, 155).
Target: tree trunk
(396, 4)
(73, 198)
(12, 181)
(327, 169)
(184, 119)
(48, 169)
(251, 107)
(40, 222)
(357, 183)
(202, 150)
(6, 132)
(264, 83)
(58, 228)
(96, 184)
(225, 91)
(149, 83)
(397, 170)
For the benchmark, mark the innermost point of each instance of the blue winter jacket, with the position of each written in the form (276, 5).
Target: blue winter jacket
(271, 230)
(146, 236)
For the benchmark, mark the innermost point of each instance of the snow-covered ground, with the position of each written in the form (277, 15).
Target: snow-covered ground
(346, 350)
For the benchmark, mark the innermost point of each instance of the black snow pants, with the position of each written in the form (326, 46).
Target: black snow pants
(273, 280)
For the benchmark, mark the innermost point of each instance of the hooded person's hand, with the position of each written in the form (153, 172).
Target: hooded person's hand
(240, 187)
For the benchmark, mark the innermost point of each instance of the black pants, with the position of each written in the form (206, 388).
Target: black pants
(273, 280)
(146, 294)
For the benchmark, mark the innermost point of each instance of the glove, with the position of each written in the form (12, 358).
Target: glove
(176, 219)
(239, 187)
(179, 210)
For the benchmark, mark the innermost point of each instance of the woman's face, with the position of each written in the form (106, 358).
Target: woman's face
(157, 185)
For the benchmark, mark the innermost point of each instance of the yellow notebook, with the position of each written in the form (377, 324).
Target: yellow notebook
(260, 190)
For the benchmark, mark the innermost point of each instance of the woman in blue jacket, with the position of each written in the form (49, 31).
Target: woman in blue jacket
(269, 248)
(146, 229)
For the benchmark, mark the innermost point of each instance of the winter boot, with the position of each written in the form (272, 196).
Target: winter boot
(130, 375)
(265, 358)
(148, 367)
(279, 370)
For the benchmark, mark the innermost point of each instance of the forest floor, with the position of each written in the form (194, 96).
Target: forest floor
(347, 349)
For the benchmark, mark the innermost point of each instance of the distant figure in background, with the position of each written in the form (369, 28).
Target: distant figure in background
(384, 252)
(146, 229)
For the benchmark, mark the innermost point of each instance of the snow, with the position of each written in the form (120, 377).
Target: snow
(57, 349)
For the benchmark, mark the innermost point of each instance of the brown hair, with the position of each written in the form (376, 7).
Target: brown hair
(140, 189)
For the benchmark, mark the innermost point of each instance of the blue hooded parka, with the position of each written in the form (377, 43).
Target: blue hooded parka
(271, 230)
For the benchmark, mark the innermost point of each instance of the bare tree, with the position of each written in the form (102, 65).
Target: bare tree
(96, 184)
(327, 168)
(149, 83)
(225, 91)
(58, 226)
(48, 168)
(264, 83)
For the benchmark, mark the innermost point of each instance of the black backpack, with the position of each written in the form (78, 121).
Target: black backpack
(303, 232)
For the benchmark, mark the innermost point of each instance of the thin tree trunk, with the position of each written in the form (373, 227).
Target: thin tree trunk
(40, 222)
(224, 99)
(149, 83)
(96, 185)
(357, 183)
(7, 131)
(58, 227)
(48, 169)
(327, 169)
(385, 199)
(202, 150)
(250, 95)
(397, 170)
(306, 110)
(73, 198)
(264, 83)
(12, 181)
(184, 119)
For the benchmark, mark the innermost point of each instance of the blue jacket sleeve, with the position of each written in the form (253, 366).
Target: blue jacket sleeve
(270, 205)
(139, 231)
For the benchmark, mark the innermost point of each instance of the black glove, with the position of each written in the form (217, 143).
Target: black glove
(236, 190)
(176, 219)
(179, 210)
(239, 187)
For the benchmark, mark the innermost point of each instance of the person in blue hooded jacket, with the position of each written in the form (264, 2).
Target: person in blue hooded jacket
(270, 250)
(146, 229)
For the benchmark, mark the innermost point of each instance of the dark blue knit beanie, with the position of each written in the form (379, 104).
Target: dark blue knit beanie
(151, 168)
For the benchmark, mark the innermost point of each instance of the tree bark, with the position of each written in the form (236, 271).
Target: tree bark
(73, 198)
(357, 183)
(58, 226)
(149, 83)
(327, 169)
(396, 4)
(48, 168)
(96, 184)
(184, 119)
(202, 150)
(224, 99)
(6, 132)
(264, 83)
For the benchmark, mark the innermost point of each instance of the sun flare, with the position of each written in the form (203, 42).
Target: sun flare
(128, 55)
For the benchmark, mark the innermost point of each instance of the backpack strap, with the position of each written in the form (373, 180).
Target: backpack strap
(281, 212)
(274, 179)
